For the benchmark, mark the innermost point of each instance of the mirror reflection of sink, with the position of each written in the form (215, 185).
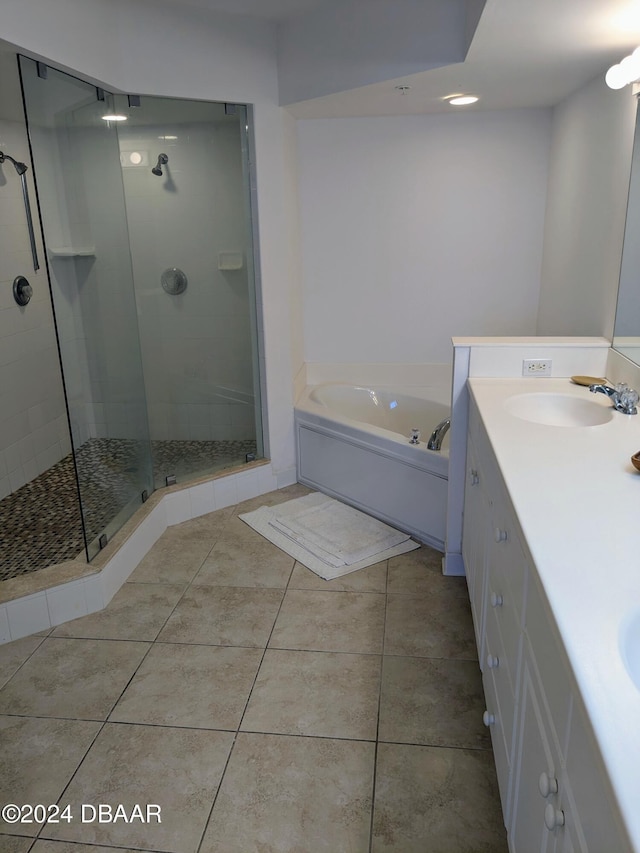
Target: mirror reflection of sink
(630, 647)
(562, 410)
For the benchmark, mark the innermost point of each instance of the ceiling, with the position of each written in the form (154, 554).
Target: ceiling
(271, 10)
(525, 53)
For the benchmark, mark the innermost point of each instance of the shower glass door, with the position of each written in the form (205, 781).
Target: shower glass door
(77, 170)
(185, 168)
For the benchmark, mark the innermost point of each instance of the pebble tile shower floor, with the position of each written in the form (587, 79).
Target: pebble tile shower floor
(41, 522)
(263, 709)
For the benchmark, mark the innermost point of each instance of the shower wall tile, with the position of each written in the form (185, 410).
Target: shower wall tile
(266, 479)
(202, 499)
(248, 485)
(30, 469)
(93, 594)
(17, 478)
(5, 633)
(28, 615)
(177, 507)
(67, 602)
(116, 574)
(225, 491)
(32, 397)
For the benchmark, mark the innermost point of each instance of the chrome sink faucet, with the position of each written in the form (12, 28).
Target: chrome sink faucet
(624, 399)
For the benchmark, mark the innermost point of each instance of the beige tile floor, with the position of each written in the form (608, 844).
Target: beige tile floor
(262, 708)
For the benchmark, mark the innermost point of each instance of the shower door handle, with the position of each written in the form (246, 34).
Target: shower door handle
(27, 207)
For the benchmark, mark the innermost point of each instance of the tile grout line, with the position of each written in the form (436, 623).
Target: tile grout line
(235, 732)
(241, 718)
(104, 722)
(375, 754)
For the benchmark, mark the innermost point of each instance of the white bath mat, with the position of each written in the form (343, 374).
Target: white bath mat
(327, 536)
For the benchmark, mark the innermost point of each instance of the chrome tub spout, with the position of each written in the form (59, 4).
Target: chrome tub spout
(435, 439)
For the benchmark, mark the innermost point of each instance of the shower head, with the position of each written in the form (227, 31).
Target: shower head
(162, 161)
(20, 168)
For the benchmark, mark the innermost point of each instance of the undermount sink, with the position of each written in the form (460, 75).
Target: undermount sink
(564, 410)
(630, 647)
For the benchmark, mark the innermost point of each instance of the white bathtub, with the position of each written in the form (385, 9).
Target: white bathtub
(353, 443)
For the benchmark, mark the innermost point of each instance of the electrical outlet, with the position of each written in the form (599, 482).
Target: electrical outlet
(536, 367)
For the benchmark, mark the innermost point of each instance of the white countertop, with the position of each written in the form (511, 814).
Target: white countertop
(577, 498)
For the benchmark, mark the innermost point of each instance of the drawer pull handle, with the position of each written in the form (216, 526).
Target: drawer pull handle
(547, 785)
(500, 535)
(496, 599)
(493, 662)
(553, 817)
(488, 719)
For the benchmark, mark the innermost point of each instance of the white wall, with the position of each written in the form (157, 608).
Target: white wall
(628, 307)
(590, 163)
(33, 423)
(223, 58)
(296, 306)
(418, 228)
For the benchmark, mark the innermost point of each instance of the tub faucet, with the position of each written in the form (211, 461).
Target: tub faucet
(435, 439)
(624, 399)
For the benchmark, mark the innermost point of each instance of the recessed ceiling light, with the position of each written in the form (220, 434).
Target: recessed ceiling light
(462, 100)
(113, 117)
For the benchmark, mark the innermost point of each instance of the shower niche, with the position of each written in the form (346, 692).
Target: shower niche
(138, 198)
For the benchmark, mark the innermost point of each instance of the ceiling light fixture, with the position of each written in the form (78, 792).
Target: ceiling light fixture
(625, 72)
(113, 117)
(461, 100)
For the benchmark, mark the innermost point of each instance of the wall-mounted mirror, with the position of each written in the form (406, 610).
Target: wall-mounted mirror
(626, 334)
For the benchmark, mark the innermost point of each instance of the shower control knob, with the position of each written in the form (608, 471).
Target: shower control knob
(547, 785)
(488, 719)
(553, 817)
(22, 290)
(500, 535)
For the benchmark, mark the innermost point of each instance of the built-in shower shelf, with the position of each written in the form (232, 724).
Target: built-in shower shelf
(230, 260)
(73, 252)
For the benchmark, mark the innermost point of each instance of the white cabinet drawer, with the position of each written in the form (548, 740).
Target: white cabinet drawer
(503, 619)
(550, 661)
(536, 755)
(567, 835)
(475, 524)
(494, 720)
(497, 672)
(507, 557)
(600, 821)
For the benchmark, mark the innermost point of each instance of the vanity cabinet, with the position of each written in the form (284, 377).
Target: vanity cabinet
(496, 575)
(476, 520)
(553, 787)
(544, 814)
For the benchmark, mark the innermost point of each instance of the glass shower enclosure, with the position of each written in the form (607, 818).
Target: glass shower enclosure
(145, 205)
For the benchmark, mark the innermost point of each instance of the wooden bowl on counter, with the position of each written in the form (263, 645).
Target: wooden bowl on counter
(635, 460)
